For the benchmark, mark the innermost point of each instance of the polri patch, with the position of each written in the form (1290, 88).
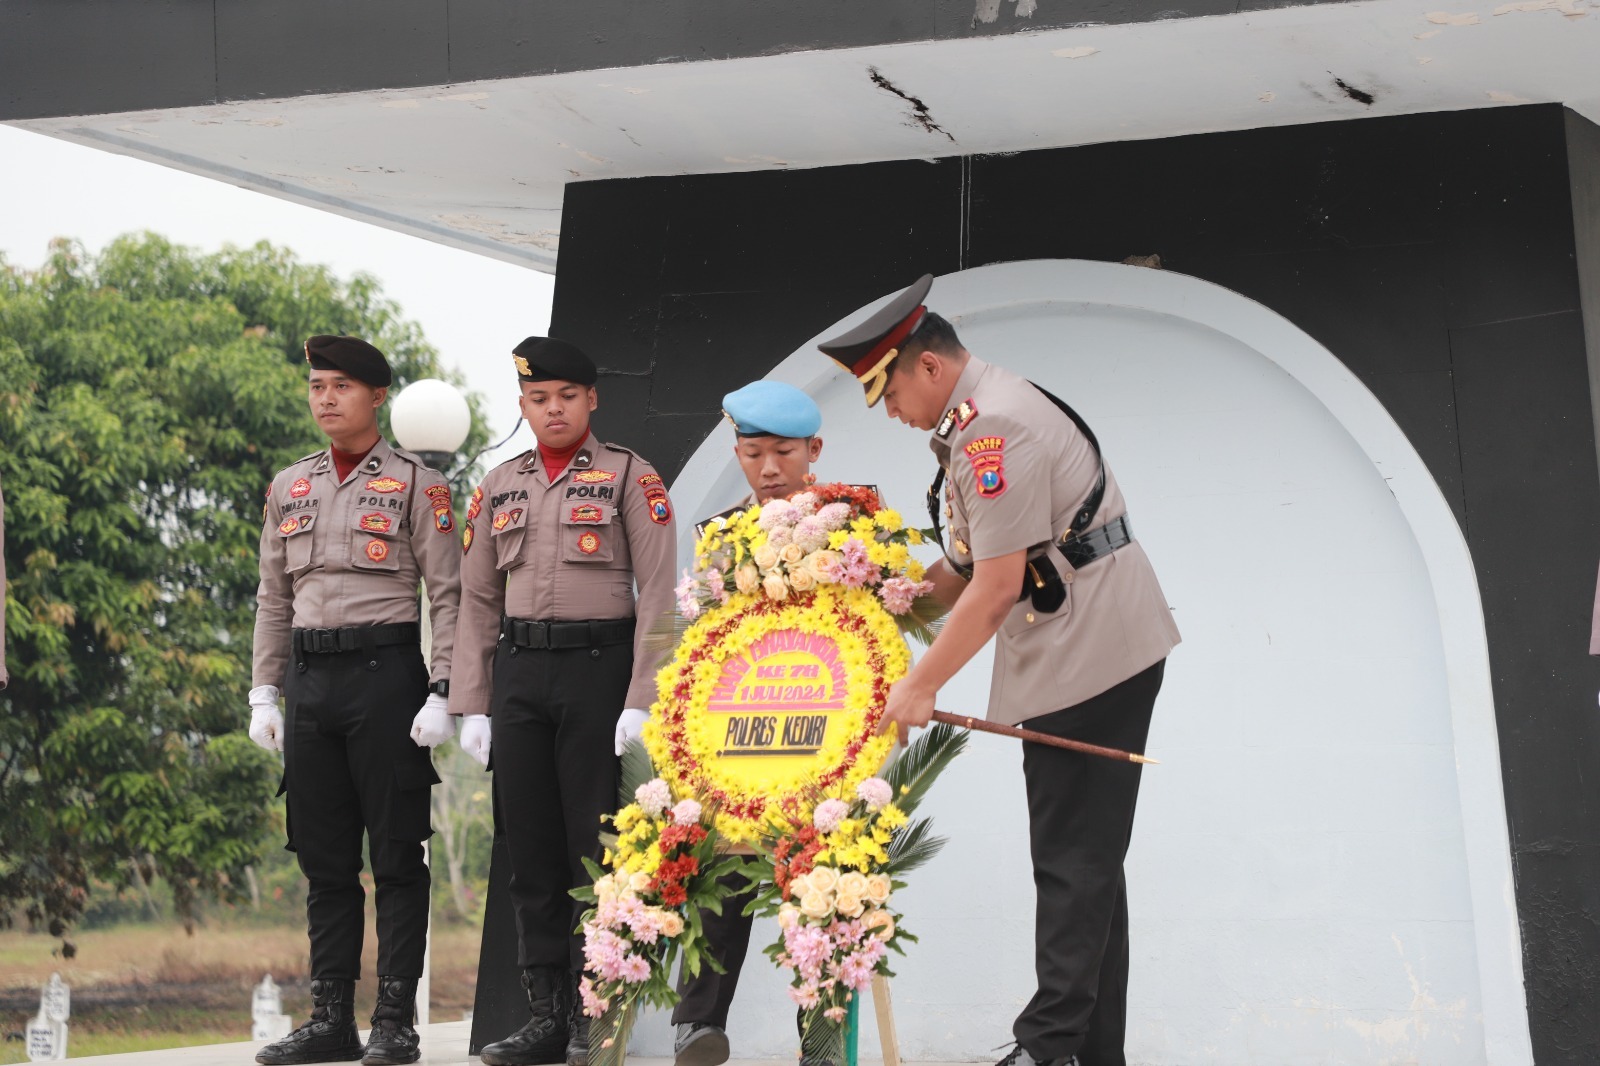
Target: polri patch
(649, 479)
(439, 494)
(988, 465)
(385, 484)
(443, 520)
(301, 487)
(588, 542)
(660, 510)
(475, 506)
(594, 477)
(376, 522)
(377, 550)
(587, 512)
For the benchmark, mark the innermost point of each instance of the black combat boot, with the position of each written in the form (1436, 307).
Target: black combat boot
(330, 1035)
(544, 1039)
(577, 1027)
(393, 1039)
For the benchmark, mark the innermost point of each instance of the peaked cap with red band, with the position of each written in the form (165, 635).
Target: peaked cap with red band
(868, 349)
(352, 355)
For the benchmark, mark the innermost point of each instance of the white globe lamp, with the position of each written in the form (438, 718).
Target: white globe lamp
(431, 417)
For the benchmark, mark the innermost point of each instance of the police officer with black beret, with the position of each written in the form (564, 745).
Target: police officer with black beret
(350, 531)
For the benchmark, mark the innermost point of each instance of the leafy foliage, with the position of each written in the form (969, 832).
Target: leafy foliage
(147, 396)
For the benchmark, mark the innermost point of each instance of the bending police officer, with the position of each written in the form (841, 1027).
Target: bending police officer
(1042, 558)
(348, 533)
(555, 541)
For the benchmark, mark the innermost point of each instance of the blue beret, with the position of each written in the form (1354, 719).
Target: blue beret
(772, 409)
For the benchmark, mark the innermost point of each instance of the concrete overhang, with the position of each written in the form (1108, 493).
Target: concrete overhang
(481, 164)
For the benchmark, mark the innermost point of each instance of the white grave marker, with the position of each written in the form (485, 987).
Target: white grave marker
(268, 1022)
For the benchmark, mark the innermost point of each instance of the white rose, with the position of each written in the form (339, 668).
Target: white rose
(799, 886)
(878, 887)
(766, 556)
(824, 878)
(747, 579)
(639, 881)
(852, 883)
(788, 916)
(816, 906)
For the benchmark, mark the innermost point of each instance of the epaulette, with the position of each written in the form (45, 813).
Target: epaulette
(623, 450)
(414, 459)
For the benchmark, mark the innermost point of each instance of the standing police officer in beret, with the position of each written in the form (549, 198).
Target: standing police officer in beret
(555, 541)
(775, 427)
(1042, 555)
(349, 532)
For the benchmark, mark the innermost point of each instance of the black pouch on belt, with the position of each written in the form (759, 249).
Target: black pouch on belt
(1043, 585)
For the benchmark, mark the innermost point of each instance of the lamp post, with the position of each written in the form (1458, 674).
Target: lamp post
(431, 418)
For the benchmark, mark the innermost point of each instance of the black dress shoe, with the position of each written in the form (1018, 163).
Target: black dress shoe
(543, 1041)
(330, 1035)
(1017, 1056)
(393, 1040)
(700, 1044)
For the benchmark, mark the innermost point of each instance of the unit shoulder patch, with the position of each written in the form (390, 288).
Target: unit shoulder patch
(988, 464)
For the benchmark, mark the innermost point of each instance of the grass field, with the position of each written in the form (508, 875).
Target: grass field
(145, 987)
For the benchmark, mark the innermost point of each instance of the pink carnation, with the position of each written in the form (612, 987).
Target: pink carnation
(687, 812)
(858, 570)
(834, 516)
(900, 592)
(828, 813)
(875, 792)
(805, 996)
(688, 604)
(653, 797)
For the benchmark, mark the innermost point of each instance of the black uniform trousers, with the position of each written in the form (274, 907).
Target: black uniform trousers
(707, 997)
(351, 768)
(1080, 821)
(555, 773)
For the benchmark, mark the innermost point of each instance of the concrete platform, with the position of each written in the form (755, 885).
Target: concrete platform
(443, 1044)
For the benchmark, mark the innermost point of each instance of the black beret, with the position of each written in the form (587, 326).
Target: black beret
(549, 359)
(867, 349)
(352, 355)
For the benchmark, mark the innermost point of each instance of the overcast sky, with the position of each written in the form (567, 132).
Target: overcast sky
(471, 308)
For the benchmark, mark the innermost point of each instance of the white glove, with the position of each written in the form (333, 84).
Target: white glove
(630, 724)
(266, 721)
(475, 737)
(433, 725)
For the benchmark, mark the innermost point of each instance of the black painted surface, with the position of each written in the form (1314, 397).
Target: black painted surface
(70, 57)
(1433, 254)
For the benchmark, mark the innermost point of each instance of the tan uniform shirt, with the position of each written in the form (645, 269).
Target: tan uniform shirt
(1017, 472)
(564, 551)
(351, 553)
(5, 678)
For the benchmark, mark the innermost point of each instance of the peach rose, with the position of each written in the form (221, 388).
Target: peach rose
(788, 916)
(824, 878)
(799, 886)
(671, 924)
(878, 887)
(802, 580)
(852, 883)
(639, 881)
(776, 588)
(792, 553)
(882, 924)
(849, 906)
(747, 579)
(766, 556)
(816, 906)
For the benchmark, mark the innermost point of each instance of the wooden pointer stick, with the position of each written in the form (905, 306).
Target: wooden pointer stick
(983, 726)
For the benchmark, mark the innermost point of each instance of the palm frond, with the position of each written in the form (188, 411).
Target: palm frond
(661, 640)
(924, 621)
(913, 846)
(636, 770)
(913, 773)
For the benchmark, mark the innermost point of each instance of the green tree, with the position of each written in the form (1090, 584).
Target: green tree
(147, 397)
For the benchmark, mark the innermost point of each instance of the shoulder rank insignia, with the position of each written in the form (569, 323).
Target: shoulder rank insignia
(385, 484)
(988, 464)
(965, 413)
(946, 424)
(594, 477)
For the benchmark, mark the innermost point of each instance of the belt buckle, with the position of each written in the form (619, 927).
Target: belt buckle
(539, 635)
(326, 641)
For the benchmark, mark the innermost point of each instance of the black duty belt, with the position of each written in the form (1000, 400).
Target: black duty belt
(1081, 549)
(350, 638)
(525, 633)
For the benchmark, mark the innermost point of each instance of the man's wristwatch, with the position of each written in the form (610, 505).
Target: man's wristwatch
(440, 688)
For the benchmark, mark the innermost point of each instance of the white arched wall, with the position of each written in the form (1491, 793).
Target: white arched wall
(1321, 870)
